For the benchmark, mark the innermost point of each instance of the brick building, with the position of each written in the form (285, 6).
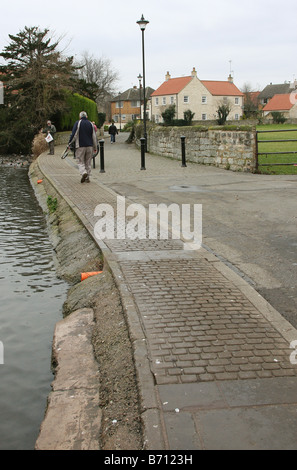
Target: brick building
(128, 105)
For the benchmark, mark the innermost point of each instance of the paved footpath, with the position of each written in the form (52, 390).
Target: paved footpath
(212, 356)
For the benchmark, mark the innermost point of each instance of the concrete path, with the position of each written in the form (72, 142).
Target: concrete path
(213, 358)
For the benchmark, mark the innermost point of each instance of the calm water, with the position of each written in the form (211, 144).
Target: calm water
(31, 304)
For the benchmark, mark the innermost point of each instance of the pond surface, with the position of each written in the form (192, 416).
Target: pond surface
(31, 304)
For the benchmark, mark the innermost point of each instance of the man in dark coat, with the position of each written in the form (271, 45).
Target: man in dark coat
(84, 136)
(112, 131)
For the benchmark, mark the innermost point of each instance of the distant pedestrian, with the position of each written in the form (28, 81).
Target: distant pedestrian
(85, 142)
(112, 131)
(50, 131)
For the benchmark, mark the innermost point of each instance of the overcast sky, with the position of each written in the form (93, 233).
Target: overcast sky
(255, 39)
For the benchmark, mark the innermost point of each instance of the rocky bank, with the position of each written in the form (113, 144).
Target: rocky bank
(15, 161)
(120, 426)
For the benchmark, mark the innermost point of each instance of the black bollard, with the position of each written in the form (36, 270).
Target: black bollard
(95, 155)
(142, 142)
(183, 150)
(101, 143)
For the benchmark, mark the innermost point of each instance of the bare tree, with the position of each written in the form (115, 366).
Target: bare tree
(250, 104)
(98, 75)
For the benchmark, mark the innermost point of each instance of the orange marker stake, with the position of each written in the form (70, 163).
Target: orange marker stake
(39, 181)
(86, 275)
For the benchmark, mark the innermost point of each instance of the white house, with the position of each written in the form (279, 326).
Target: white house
(202, 97)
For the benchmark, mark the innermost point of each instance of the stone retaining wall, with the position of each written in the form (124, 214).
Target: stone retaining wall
(229, 149)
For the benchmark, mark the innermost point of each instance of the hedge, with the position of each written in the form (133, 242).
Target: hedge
(76, 103)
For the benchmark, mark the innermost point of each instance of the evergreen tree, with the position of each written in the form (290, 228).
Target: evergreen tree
(223, 112)
(188, 117)
(35, 78)
(168, 115)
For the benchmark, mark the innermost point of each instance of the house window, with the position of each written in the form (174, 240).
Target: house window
(236, 117)
(119, 104)
(204, 117)
(186, 99)
(157, 101)
(204, 100)
(171, 99)
(236, 100)
(164, 100)
(135, 104)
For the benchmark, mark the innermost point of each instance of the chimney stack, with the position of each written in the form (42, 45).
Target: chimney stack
(194, 73)
(167, 76)
(230, 78)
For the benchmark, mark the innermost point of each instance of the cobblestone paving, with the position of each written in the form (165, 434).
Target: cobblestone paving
(198, 325)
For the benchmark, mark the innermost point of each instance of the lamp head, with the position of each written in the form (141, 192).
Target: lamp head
(142, 23)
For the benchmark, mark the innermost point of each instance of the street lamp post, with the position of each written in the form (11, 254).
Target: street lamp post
(139, 78)
(120, 111)
(142, 24)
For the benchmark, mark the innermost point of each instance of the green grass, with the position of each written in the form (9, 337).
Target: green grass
(52, 204)
(278, 147)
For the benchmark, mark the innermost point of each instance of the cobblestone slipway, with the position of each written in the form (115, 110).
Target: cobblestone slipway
(212, 356)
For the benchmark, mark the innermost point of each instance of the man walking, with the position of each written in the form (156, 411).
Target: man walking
(112, 130)
(85, 140)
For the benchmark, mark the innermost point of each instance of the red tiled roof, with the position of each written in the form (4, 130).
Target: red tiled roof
(218, 88)
(279, 103)
(175, 85)
(172, 86)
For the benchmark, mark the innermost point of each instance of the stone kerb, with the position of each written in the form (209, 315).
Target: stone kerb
(229, 149)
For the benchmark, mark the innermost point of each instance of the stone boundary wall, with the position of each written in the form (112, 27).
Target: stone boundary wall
(62, 138)
(228, 149)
